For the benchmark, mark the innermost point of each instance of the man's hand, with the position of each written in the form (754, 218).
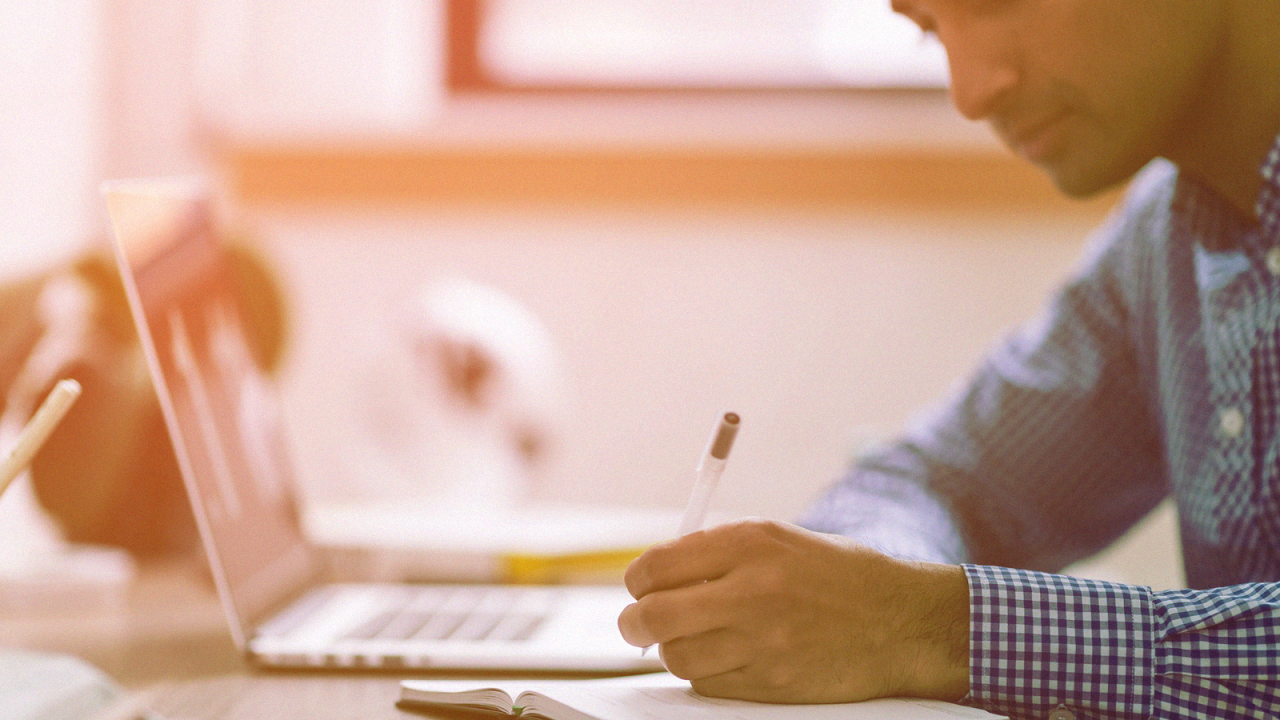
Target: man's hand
(766, 611)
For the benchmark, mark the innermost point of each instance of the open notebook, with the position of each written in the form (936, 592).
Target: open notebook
(225, 421)
(648, 697)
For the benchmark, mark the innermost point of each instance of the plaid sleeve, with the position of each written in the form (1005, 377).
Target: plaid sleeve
(1041, 643)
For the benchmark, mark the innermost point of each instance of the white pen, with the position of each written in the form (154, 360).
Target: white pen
(713, 461)
(38, 429)
(714, 458)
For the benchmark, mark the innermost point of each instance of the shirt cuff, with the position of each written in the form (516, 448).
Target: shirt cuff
(1040, 642)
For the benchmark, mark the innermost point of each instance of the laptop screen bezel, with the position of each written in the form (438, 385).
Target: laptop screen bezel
(280, 579)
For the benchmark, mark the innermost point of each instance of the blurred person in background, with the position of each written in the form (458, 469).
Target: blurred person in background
(108, 475)
(1153, 373)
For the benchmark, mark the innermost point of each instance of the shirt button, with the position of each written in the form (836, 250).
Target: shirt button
(1273, 261)
(1231, 422)
(1061, 713)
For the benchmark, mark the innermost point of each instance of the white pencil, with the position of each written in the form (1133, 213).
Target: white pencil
(38, 429)
(708, 476)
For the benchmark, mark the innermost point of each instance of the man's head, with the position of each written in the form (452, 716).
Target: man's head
(1089, 90)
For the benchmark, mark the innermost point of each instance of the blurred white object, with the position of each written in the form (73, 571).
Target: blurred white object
(38, 685)
(464, 400)
(542, 542)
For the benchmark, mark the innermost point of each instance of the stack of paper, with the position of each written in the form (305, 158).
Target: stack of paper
(547, 543)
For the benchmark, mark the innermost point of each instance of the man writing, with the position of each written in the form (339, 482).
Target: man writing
(1155, 372)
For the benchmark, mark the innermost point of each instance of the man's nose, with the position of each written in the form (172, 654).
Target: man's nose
(983, 73)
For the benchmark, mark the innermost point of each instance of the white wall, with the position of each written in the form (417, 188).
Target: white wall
(305, 68)
(817, 329)
(50, 131)
(92, 89)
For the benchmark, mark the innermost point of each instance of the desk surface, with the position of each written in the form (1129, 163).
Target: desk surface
(248, 696)
(166, 639)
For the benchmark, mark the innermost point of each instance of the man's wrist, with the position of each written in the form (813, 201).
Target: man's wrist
(936, 639)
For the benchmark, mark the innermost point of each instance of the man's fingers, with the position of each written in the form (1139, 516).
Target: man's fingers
(738, 683)
(698, 556)
(768, 683)
(676, 563)
(706, 654)
(664, 615)
(633, 628)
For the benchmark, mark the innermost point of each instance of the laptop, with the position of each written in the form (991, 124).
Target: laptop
(226, 425)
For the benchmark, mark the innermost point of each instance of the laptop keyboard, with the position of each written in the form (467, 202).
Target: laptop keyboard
(395, 626)
(443, 613)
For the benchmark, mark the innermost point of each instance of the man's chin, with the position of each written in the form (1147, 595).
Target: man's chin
(1083, 183)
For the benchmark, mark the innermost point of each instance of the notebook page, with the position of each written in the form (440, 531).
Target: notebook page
(662, 696)
(674, 703)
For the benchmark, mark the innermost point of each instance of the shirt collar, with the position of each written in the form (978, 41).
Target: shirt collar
(1267, 207)
(1204, 216)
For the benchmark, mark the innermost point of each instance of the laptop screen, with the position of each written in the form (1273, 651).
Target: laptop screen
(223, 413)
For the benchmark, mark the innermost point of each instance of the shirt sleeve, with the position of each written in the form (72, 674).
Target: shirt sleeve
(1093, 650)
(1047, 453)
(1045, 456)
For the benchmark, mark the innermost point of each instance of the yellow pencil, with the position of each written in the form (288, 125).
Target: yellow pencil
(38, 429)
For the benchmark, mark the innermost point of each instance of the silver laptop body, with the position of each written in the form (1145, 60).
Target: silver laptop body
(225, 423)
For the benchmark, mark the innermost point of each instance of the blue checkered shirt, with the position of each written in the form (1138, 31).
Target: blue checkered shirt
(1154, 372)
